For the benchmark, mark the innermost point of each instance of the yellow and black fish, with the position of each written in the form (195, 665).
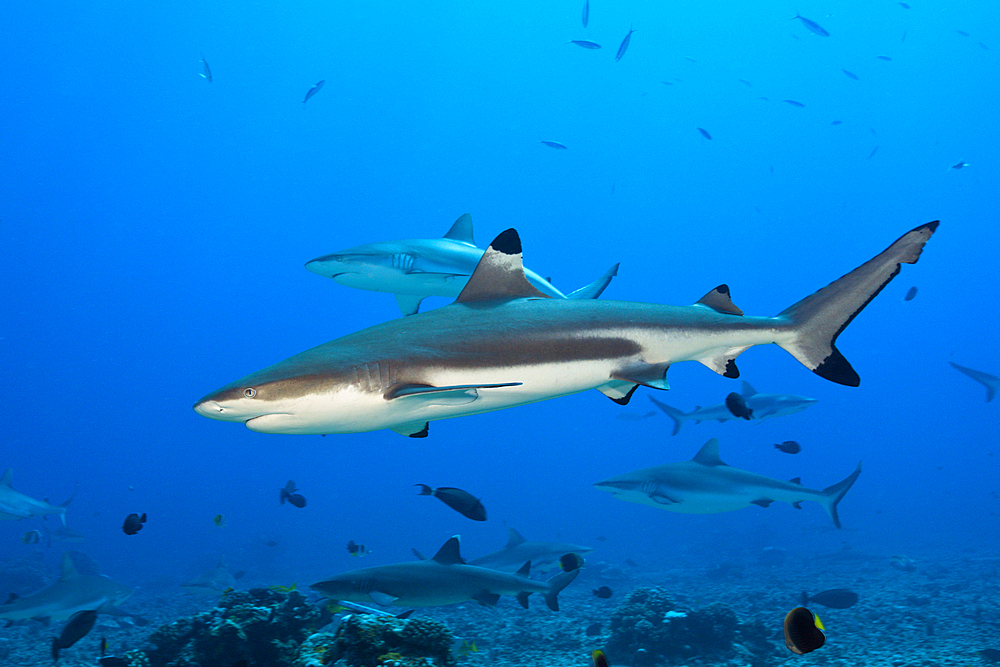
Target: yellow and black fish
(803, 631)
(598, 659)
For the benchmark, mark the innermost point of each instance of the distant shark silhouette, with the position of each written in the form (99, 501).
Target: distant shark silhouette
(414, 269)
(991, 382)
(443, 579)
(15, 505)
(764, 406)
(213, 582)
(544, 556)
(706, 485)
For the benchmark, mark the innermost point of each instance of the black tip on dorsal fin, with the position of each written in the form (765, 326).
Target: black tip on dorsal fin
(461, 230)
(719, 301)
(500, 274)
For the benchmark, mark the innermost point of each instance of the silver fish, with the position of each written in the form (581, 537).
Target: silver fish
(811, 26)
(624, 47)
(312, 91)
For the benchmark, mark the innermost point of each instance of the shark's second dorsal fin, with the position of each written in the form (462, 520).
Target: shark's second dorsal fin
(708, 455)
(500, 274)
(514, 538)
(449, 553)
(461, 230)
(68, 568)
(8, 475)
(719, 301)
(748, 390)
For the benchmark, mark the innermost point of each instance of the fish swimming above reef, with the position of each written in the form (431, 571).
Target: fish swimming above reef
(461, 501)
(738, 406)
(15, 505)
(288, 494)
(706, 485)
(762, 406)
(503, 343)
(212, 582)
(443, 579)
(72, 593)
(414, 269)
(835, 598)
(76, 628)
(133, 523)
(544, 556)
(789, 447)
(991, 382)
(803, 631)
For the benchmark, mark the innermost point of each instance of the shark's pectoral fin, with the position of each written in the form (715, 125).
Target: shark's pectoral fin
(486, 598)
(453, 395)
(384, 599)
(619, 391)
(648, 375)
(413, 429)
(725, 364)
(408, 304)
(762, 502)
(522, 598)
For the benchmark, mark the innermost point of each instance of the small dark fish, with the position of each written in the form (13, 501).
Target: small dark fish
(886, 58)
(749, 85)
(912, 292)
(962, 33)
(207, 74)
(356, 550)
(133, 523)
(312, 91)
(704, 133)
(812, 26)
(960, 165)
(836, 598)
(76, 628)
(624, 46)
(789, 447)
(794, 103)
(631, 563)
(836, 122)
(738, 406)
(219, 520)
(903, 5)
(603, 592)
(271, 543)
(586, 13)
(593, 630)
(601, 538)
(288, 493)
(103, 647)
(598, 659)
(32, 537)
(990, 654)
(803, 631)
(872, 154)
(851, 75)
(571, 561)
(585, 44)
(461, 501)
(112, 661)
(766, 99)
(554, 144)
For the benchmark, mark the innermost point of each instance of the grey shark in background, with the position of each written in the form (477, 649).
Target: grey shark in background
(764, 406)
(72, 593)
(991, 382)
(706, 485)
(414, 269)
(213, 582)
(443, 579)
(15, 505)
(544, 556)
(503, 344)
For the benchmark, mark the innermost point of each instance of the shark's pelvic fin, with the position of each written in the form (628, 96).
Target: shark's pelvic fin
(409, 304)
(819, 318)
(708, 455)
(719, 301)
(461, 230)
(499, 276)
(449, 553)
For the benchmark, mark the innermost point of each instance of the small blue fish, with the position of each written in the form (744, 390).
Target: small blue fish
(585, 44)
(624, 47)
(705, 133)
(903, 5)
(836, 122)
(910, 294)
(554, 144)
(851, 75)
(960, 165)
(811, 26)
(586, 13)
(207, 74)
(883, 57)
(744, 81)
(312, 91)
(962, 33)
(794, 103)
(872, 154)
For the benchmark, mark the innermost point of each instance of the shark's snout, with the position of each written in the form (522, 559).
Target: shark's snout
(208, 408)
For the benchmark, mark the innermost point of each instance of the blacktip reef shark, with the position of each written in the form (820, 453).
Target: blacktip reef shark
(15, 505)
(443, 579)
(72, 593)
(544, 556)
(991, 382)
(414, 269)
(503, 343)
(764, 406)
(706, 485)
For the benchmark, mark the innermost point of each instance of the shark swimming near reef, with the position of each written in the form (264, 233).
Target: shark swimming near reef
(414, 269)
(72, 593)
(215, 581)
(443, 579)
(706, 485)
(544, 556)
(764, 406)
(503, 344)
(15, 505)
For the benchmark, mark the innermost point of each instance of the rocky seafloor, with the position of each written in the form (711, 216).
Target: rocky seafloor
(942, 614)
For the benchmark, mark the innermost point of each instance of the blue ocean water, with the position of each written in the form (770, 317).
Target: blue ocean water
(156, 226)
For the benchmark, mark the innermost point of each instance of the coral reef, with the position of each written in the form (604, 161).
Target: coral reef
(373, 641)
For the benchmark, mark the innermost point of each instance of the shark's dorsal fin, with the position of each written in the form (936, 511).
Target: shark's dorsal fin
(8, 475)
(514, 538)
(68, 568)
(748, 390)
(449, 554)
(524, 570)
(719, 301)
(708, 455)
(796, 480)
(461, 230)
(13, 597)
(500, 274)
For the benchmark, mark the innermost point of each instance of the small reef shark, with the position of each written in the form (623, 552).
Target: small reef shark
(72, 593)
(991, 382)
(213, 582)
(764, 406)
(414, 269)
(706, 485)
(443, 579)
(544, 556)
(503, 344)
(14, 505)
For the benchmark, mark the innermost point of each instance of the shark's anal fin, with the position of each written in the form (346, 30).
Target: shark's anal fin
(408, 304)
(719, 301)
(725, 363)
(619, 391)
(461, 230)
(413, 429)
(384, 599)
(486, 598)
(762, 502)
(499, 276)
(522, 598)
(452, 395)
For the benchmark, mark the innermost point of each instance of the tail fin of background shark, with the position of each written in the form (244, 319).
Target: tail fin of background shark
(556, 584)
(834, 494)
(594, 289)
(678, 416)
(819, 318)
(991, 382)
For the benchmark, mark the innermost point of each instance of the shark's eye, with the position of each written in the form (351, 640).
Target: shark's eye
(249, 392)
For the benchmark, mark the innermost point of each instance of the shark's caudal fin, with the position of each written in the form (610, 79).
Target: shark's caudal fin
(991, 382)
(499, 276)
(678, 416)
(834, 494)
(596, 288)
(819, 318)
(65, 505)
(556, 584)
